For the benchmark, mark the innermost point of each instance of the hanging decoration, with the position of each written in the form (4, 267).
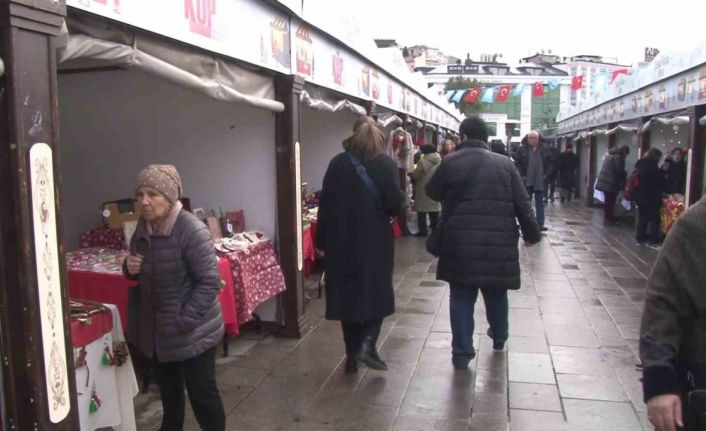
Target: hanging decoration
(519, 88)
(503, 93)
(577, 83)
(488, 95)
(553, 84)
(619, 72)
(472, 95)
(108, 359)
(95, 403)
(457, 96)
(538, 89)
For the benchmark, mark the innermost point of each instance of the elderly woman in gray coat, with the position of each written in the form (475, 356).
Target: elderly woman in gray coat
(180, 323)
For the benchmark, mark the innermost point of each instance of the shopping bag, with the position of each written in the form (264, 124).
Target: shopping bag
(412, 225)
(396, 229)
(597, 194)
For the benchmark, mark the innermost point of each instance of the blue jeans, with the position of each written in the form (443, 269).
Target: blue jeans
(462, 303)
(538, 195)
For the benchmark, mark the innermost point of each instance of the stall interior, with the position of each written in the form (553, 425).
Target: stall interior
(223, 151)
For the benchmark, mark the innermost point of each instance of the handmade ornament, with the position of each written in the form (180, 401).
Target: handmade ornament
(95, 403)
(120, 353)
(108, 359)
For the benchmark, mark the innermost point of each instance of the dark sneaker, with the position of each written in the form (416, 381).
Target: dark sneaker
(654, 246)
(641, 244)
(461, 362)
(543, 229)
(498, 346)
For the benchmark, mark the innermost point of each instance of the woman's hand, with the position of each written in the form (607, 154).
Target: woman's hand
(320, 253)
(134, 264)
(664, 411)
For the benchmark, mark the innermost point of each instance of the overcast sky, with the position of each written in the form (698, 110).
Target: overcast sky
(611, 28)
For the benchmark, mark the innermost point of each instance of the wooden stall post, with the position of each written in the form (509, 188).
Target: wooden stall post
(288, 89)
(38, 372)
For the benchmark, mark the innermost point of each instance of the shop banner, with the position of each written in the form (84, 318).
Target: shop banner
(244, 29)
(321, 61)
(254, 32)
(678, 92)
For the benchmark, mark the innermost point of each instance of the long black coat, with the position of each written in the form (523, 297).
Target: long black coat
(568, 164)
(357, 238)
(676, 178)
(480, 238)
(651, 184)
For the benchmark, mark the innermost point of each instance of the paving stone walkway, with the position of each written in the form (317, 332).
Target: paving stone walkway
(570, 362)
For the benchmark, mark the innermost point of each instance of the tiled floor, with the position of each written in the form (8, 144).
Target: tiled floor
(570, 363)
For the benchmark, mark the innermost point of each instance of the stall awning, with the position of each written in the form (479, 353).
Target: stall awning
(95, 43)
(389, 119)
(674, 121)
(702, 121)
(317, 100)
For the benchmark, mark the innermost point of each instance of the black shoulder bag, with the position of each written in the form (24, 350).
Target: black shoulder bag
(369, 183)
(435, 239)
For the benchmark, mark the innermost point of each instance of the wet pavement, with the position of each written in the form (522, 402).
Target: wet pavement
(569, 365)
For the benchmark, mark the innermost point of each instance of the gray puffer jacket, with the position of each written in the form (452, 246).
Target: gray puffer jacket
(175, 313)
(613, 175)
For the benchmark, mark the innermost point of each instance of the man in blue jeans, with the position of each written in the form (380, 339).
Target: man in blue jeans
(533, 160)
(483, 198)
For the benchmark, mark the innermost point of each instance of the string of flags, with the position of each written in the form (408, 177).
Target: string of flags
(497, 93)
(500, 93)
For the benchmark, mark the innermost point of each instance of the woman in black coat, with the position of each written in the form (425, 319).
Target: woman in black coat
(675, 172)
(567, 165)
(360, 193)
(651, 186)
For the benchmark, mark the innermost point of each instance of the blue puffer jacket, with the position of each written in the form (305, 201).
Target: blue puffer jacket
(175, 314)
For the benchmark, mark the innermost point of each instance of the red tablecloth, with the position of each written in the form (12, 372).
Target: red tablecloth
(309, 252)
(309, 247)
(107, 288)
(112, 288)
(257, 277)
(84, 333)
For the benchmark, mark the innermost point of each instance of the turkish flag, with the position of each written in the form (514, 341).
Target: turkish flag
(503, 94)
(577, 83)
(538, 89)
(617, 73)
(472, 95)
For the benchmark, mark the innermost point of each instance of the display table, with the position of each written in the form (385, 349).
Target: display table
(105, 379)
(257, 277)
(95, 274)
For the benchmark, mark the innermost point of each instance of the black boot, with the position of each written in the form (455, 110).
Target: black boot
(351, 365)
(369, 356)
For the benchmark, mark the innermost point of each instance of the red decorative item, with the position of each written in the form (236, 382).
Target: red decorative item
(503, 94)
(104, 238)
(538, 89)
(396, 229)
(619, 72)
(577, 83)
(398, 142)
(472, 95)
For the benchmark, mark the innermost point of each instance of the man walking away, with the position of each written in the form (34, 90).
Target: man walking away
(483, 198)
(649, 198)
(533, 162)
